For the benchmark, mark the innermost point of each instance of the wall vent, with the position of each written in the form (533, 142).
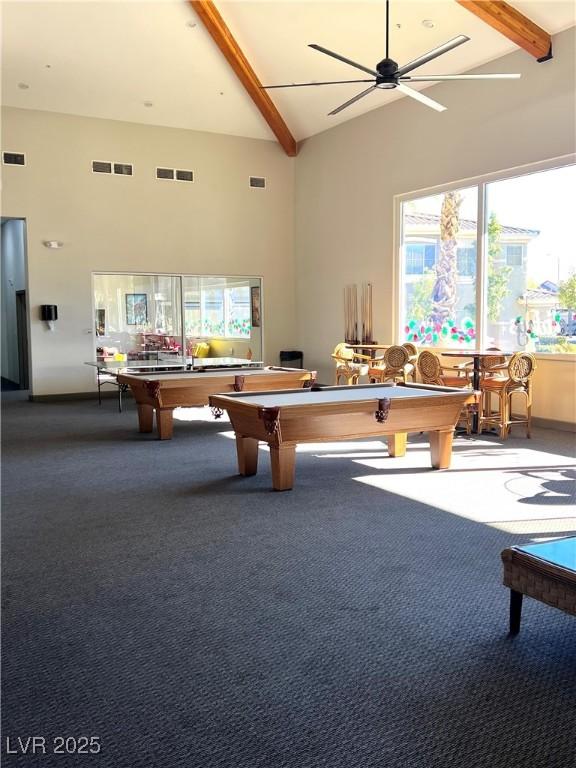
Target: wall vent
(13, 158)
(258, 182)
(184, 175)
(99, 166)
(165, 173)
(123, 169)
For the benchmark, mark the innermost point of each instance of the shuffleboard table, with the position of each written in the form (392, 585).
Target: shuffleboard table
(161, 392)
(283, 419)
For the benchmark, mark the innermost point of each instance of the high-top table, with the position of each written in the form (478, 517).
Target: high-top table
(477, 356)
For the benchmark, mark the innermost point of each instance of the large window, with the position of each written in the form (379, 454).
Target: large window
(142, 314)
(504, 277)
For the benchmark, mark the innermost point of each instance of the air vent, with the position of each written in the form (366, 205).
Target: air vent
(259, 182)
(123, 169)
(184, 175)
(13, 158)
(164, 173)
(98, 166)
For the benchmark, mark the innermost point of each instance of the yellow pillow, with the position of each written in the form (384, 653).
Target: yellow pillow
(201, 349)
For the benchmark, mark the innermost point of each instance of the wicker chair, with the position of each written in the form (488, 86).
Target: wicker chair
(515, 378)
(394, 366)
(489, 364)
(348, 365)
(412, 350)
(433, 372)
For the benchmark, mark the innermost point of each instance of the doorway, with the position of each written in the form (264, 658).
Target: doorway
(15, 348)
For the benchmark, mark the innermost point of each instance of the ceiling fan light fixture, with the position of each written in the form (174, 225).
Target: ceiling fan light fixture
(388, 75)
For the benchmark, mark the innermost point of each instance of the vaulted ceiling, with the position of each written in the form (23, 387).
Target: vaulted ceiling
(155, 62)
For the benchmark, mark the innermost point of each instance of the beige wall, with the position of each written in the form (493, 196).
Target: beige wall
(217, 225)
(346, 180)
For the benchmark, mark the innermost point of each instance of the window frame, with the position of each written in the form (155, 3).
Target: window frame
(481, 182)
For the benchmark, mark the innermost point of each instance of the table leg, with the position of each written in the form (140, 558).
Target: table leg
(441, 448)
(247, 451)
(476, 386)
(145, 418)
(515, 611)
(283, 460)
(397, 444)
(165, 423)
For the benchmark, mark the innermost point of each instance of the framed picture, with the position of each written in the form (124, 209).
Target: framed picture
(136, 309)
(255, 305)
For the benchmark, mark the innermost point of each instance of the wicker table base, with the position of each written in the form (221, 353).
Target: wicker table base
(545, 572)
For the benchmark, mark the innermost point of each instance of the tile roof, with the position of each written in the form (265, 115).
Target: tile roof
(466, 225)
(545, 291)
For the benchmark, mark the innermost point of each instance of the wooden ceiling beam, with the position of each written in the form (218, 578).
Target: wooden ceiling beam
(216, 26)
(514, 25)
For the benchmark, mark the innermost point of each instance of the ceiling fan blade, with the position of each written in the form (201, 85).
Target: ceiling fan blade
(420, 97)
(329, 82)
(438, 78)
(454, 43)
(343, 58)
(352, 100)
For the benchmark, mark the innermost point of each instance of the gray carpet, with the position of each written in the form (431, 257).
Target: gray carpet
(193, 619)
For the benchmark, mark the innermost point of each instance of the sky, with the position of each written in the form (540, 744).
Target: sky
(545, 201)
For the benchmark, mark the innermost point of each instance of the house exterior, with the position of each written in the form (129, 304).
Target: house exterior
(422, 243)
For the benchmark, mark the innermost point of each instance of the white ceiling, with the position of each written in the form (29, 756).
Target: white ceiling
(105, 59)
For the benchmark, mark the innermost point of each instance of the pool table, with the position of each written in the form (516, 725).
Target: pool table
(163, 391)
(283, 419)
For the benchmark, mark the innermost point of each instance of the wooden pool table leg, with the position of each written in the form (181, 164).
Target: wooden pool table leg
(247, 451)
(397, 444)
(145, 418)
(283, 460)
(165, 423)
(441, 448)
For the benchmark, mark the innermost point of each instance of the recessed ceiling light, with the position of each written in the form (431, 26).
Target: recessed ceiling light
(23, 86)
(48, 66)
(428, 23)
(221, 93)
(148, 103)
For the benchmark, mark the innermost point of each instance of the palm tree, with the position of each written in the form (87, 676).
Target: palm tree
(444, 292)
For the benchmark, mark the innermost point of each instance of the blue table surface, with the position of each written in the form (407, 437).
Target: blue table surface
(560, 552)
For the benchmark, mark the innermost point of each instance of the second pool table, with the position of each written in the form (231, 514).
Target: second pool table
(283, 419)
(160, 393)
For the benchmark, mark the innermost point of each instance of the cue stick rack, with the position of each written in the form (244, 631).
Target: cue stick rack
(351, 314)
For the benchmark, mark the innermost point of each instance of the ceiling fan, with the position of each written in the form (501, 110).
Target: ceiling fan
(388, 74)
